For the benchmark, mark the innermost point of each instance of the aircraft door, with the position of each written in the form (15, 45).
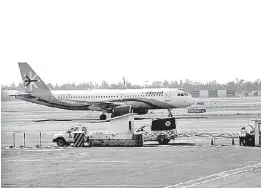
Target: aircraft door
(50, 98)
(167, 96)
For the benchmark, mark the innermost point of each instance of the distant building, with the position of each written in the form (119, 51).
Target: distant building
(213, 93)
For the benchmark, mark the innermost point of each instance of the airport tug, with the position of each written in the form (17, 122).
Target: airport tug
(68, 137)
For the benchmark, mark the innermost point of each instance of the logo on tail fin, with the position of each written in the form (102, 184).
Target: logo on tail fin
(30, 81)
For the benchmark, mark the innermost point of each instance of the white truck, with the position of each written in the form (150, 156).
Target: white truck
(67, 137)
(161, 130)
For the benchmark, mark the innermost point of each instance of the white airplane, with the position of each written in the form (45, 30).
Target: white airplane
(115, 101)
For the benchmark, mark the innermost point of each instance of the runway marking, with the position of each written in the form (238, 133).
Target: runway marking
(93, 185)
(46, 159)
(108, 185)
(213, 177)
(44, 149)
(23, 160)
(96, 161)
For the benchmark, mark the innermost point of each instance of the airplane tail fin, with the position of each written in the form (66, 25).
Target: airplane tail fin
(32, 82)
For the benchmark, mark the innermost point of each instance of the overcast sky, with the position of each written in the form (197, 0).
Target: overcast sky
(82, 41)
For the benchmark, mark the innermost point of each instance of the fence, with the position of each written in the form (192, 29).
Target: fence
(213, 138)
(28, 139)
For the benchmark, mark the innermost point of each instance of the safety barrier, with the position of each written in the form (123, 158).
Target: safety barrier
(78, 139)
(215, 138)
(28, 139)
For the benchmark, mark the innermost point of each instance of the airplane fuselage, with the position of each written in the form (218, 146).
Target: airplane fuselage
(160, 98)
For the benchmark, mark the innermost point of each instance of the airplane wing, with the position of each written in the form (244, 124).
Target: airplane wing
(109, 104)
(102, 104)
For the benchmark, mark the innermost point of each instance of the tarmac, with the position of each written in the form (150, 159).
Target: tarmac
(186, 162)
(150, 166)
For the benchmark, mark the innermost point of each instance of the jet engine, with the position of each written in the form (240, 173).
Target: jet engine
(121, 110)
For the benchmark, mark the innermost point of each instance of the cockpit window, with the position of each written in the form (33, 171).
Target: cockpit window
(182, 94)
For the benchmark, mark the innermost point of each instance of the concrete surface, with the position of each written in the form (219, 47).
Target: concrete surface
(186, 162)
(154, 166)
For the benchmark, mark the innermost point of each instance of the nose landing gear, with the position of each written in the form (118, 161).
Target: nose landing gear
(170, 113)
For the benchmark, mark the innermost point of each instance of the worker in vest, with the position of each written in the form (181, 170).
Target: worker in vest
(242, 136)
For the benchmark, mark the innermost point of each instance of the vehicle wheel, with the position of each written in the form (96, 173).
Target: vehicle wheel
(161, 140)
(166, 141)
(112, 116)
(103, 117)
(61, 142)
(67, 144)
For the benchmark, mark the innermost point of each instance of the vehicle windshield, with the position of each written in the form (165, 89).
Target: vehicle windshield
(141, 129)
(72, 129)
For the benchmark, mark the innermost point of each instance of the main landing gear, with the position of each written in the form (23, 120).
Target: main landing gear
(103, 117)
(170, 113)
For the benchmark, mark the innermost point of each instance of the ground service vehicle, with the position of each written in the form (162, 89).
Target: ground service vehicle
(197, 110)
(161, 130)
(67, 137)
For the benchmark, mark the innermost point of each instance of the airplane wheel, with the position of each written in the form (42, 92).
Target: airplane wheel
(103, 117)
